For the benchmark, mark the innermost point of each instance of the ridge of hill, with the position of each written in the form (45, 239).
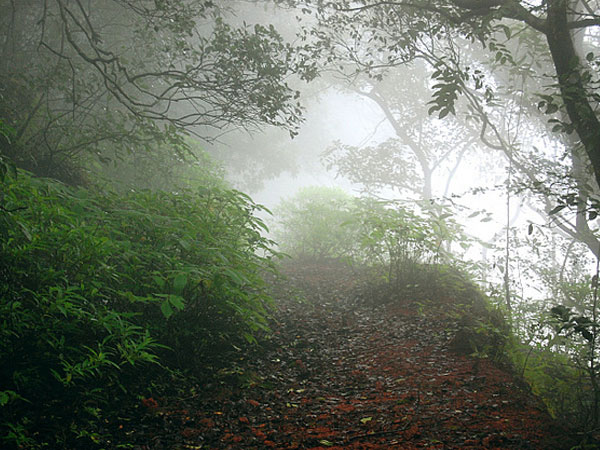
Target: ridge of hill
(342, 374)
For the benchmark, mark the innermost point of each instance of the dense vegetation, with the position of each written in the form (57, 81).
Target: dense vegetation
(409, 255)
(101, 290)
(128, 264)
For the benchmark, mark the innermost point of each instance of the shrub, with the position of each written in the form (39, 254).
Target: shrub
(399, 240)
(96, 287)
(314, 223)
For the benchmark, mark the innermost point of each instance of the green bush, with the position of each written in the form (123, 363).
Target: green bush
(394, 240)
(556, 380)
(95, 288)
(314, 223)
(399, 240)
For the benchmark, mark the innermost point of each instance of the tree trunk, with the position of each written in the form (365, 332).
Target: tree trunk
(572, 88)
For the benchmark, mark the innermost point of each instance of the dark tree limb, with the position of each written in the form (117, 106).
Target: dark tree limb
(572, 88)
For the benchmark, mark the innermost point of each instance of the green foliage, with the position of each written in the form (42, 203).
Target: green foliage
(555, 345)
(557, 354)
(315, 223)
(163, 70)
(97, 288)
(561, 386)
(571, 323)
(159, 167)
(326, 222)
(400, 239)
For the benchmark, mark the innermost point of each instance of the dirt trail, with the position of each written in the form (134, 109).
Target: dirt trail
(340, 376)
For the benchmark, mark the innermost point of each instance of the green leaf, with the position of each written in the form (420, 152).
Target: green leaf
(365, 420)
(180, 282)
(6, 397)
(25, 230)
(177, 302)
(326, 443)
(433, 109)
(249, 338)
(185, 244)
(160, 282)
(236, 276)
(551, 108)
(166, 309)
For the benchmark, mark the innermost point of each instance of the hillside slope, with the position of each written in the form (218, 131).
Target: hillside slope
(341, 375)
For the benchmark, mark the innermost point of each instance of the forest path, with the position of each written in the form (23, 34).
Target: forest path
(342, 376)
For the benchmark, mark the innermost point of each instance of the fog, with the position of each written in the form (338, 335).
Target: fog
(483, 158)
(175, 175)
(333, 116)
(285, 97)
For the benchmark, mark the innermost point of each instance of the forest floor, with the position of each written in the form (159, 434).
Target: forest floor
(339, 375)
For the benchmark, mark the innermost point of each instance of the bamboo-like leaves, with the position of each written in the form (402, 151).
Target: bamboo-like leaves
(96, 282)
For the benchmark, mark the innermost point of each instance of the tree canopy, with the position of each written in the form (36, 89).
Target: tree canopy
(83, 81)
(129, 269)
(398, 32)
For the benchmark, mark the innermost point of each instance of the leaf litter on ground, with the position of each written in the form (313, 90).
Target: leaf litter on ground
(339, 374)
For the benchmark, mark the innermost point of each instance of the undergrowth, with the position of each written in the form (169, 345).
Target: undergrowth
(103, 291)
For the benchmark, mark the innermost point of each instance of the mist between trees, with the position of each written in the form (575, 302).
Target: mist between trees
(457, 134)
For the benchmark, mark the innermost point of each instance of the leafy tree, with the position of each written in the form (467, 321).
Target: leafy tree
(401, 31)
(107, 78)
(423, 147)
